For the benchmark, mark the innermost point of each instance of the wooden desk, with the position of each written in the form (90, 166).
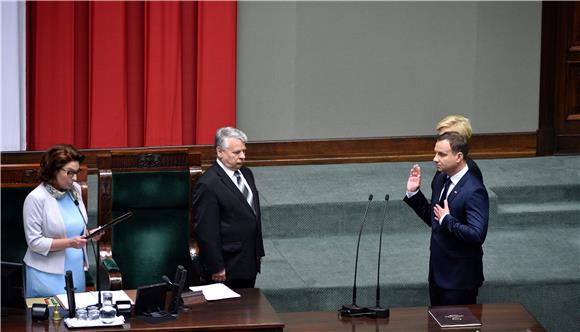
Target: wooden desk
(251, 312)
(494, 317)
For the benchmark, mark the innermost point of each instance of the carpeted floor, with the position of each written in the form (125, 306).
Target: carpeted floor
(311, 217)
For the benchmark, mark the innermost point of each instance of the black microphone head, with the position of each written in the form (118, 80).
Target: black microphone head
(166, 279)
(68, 279)
(387, 197)
(370, 197)
(73, 195)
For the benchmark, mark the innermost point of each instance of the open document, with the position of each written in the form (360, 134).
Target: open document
(216, 292)
(86, 299)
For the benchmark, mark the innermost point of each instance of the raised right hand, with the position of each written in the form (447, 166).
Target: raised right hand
(414, 181)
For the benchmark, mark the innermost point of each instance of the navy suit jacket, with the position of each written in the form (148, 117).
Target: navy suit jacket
(456, 260)
(229, 231)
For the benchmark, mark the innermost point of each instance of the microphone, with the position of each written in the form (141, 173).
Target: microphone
(75, 199)
(353, 309)
(167, 280)
(70, 293)
(177, 289)
(377, 311)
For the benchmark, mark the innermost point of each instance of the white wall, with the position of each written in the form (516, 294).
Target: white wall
(12, 76)
(371, 69)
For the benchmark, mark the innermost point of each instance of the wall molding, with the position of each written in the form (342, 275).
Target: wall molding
(335, 151)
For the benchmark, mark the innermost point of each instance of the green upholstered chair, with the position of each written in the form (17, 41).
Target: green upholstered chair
(156, 185)
(18, 180)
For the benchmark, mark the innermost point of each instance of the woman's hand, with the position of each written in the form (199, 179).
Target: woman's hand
(98, 234)
(77, 242)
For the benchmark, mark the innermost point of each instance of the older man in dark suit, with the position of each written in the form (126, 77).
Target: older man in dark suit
(458, 214)
(227, 215)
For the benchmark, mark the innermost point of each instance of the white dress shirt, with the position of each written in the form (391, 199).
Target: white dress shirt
(231, 174)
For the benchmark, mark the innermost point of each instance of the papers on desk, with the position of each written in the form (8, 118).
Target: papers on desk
(86, 299)
(72, 323)
(215, 292)
(49, 301)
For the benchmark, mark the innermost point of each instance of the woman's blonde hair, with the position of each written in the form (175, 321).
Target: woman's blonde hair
(456, 123)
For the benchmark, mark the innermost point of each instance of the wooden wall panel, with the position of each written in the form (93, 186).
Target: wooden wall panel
(364, 150)
(559, 128)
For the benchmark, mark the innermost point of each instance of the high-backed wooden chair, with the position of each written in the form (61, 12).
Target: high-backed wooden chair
(18, 180)
(156, 185)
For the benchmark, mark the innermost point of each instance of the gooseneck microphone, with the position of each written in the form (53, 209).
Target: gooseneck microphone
(97, 258)
(176, 289)
(377, 311)
(167, 280)
(353, 309)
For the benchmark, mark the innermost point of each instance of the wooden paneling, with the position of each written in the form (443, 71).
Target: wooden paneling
(250, 312)
(574, 41)
(546, 131)
(559, 128)
(494, 317)
(364, 150)
(18, 175)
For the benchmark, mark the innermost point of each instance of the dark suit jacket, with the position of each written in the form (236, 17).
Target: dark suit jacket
(229, 232)
(456, 245)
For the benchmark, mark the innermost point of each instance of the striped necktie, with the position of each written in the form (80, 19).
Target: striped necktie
(243, 188)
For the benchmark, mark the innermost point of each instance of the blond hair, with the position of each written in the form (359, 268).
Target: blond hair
(456, 123)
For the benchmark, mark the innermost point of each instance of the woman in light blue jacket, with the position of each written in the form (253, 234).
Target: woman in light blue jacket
(54, 224)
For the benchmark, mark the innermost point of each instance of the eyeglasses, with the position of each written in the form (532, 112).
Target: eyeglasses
(71, 172)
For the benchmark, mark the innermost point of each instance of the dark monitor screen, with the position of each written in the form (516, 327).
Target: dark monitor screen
(12, 285)
(150, 299)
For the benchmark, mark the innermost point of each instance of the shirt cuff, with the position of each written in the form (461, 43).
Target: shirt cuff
(411, 193)
(442, 217)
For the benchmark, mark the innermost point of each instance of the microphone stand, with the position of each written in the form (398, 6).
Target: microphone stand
(97, 257)
(353, 309)
(377, 311)
(177, 288)
(98, 281)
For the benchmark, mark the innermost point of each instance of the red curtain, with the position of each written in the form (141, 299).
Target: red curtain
(129, 74)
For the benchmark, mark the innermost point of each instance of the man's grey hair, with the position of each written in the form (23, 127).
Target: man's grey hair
(228, 132)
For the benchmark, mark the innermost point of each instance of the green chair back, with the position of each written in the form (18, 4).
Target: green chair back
(155, 240)
(13, 241)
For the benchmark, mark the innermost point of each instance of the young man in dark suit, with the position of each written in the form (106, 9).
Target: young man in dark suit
(227, 215)
(458, 215)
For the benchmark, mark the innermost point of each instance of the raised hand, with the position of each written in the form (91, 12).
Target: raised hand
(414, 181)
(99, 234)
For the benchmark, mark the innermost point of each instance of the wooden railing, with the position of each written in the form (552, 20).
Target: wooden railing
(333, 151)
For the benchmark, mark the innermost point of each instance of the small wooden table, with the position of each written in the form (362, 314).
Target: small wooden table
(251, 312)
(494, 317)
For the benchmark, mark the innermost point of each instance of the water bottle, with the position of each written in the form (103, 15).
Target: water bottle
(108, 312)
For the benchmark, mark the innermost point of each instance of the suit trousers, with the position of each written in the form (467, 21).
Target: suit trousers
(240, 283)
(441, 296)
